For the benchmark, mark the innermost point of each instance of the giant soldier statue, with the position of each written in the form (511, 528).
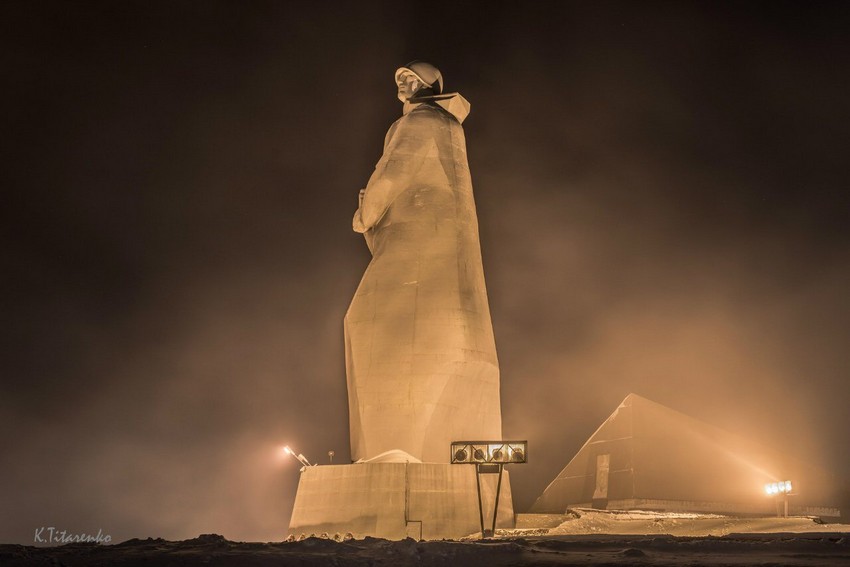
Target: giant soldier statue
(420, 356)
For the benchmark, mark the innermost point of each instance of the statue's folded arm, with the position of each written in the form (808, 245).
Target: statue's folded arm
(403, 156)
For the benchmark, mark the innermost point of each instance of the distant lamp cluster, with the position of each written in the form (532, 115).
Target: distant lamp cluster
(496, 452)
(783, 487)
(781, 490)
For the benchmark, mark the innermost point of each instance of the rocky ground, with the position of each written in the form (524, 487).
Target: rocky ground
(792, 549)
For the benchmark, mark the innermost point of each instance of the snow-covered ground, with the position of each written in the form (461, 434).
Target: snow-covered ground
(582, 521)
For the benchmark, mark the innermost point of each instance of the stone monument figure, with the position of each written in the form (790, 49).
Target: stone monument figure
(420, 357)
(421, 360)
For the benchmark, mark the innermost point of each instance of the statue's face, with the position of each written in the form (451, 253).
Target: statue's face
(408, 84)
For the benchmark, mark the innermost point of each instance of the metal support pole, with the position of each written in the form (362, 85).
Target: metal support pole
(480, 506)
(498, 493)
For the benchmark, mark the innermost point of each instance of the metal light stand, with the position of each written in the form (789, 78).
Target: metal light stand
(488, 468)
(489, 457)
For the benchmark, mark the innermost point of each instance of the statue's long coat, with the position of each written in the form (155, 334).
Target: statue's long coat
(420, 356)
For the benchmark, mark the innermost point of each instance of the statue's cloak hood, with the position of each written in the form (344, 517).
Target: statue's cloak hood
(453, 103)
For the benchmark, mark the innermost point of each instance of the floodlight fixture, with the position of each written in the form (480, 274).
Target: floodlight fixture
(489, 457)
(301, 458)
(781, 490)
(782, 487)
(484, 452)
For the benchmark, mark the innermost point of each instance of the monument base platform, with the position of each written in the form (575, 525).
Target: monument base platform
(399, 500)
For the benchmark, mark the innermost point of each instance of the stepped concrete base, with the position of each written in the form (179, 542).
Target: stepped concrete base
(398, 500)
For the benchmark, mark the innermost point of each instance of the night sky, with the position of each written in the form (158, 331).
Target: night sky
(662, 191)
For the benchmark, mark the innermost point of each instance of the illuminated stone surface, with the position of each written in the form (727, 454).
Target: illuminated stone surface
(397, 500)
(420, 356)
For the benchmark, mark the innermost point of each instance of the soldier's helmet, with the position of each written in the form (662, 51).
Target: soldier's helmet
(426, 72)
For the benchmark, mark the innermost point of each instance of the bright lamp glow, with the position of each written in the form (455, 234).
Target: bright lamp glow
(782, 487)
(301, 459)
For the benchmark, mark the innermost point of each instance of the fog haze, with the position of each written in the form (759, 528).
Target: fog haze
(663, 205)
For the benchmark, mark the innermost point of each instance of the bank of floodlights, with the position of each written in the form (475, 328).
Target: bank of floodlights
(489, 452)
(489, 457)
(774, 488)
(781, 490)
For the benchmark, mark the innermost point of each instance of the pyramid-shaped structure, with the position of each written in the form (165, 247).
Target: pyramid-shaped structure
(648, 456)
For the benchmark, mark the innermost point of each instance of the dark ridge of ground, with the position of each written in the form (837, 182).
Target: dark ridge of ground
(808, 549)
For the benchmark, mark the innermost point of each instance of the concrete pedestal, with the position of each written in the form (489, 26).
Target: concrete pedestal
(398, 500)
